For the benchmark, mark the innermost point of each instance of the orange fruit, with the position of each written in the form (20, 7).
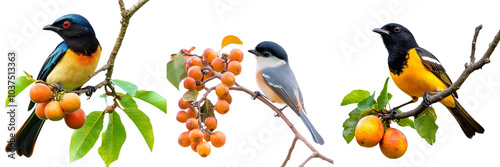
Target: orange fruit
(40, 93)
(54, 111)
(228, 78)
(184, 104)
(222, 107)
(196, 135)
(236, 54)
(181, 116)
(203, 149)
(70, 102)
(211, 123)
(218, 139)
(228, 98)
(194, 146)
(40, 110)
(394, 143)
(206, 136)
(222, 90)
(192, 123)
(184, 139)
(194, 61)
(218, 64)
(234, 67)
(76, 119)
(195, 73)
(192, 113)
(209, 55)
(369, 131)
(189, 83)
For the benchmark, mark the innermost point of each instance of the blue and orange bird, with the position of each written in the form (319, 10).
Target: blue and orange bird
(68, 67)
(277, 81)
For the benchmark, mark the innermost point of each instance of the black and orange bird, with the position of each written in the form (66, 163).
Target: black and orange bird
(418, 73)
(68, 67)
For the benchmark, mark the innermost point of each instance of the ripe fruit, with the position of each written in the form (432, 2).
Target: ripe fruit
(76, 119)
(54, 111)
(70, 102)
(192, 113)
(40, 93)
(228, 98)
(369, 131)
(234, 67)
(184, 139)
(211, 123)
(218, 139)
(181, 116)
(394, 143)
(209, 55)
(222, 107)
(222, 90)
(192, 123)
(206, 135)
(203, 149)
(184, 104)
(199, 88)
(189, 83)
(194, 146)
(236, 54)
(194, 61)
(218, 64)
(196, 136)
(40, 110)
(195, 73)
(228, 78)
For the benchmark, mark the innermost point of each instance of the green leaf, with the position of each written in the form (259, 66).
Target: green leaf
(190, 95)
(350, 125)
(112, 139)
(366, 112)
(20, 84)
(355, 96)
(176, 70)
(230, 39)
(383, 98)
(425, 124)
(152, 98)
(128, 87)
(140, 119)
(405, 122)
(83, 139)
(207, 109)
(367, 103)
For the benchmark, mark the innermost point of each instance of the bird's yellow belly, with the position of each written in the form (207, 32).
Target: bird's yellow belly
(416, 79)
(73, 70)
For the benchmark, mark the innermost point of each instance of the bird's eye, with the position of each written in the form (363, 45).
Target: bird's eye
(397, 29)
(66, 24)
(266, 54)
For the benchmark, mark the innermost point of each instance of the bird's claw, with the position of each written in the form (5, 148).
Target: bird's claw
(257, 94)
(58, 87)
(392, 112)
(91, 91)
(425, 98)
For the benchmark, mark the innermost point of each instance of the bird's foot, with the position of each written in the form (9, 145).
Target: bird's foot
(91, 91)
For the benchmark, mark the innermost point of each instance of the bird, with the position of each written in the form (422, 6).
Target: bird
(276, 80)
(418, 73)
(67, 67)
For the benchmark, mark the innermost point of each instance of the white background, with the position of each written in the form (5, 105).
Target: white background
(314, 33)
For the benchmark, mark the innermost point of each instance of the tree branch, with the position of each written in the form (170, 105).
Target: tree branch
(290, 151)
(469, 68)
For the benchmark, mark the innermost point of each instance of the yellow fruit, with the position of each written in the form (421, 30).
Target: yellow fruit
(70, 102)
(394, 143)
(54, 111)
(369, 131)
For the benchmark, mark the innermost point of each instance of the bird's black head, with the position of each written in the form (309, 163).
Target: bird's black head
(269, 48)
(396, 37)
(77, 33)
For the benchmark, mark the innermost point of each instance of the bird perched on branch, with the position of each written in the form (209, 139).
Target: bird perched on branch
(68, 67)
(418, 73)
(277, 81)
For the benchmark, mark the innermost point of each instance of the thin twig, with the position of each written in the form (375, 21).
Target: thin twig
(290, 151)
(307, 160)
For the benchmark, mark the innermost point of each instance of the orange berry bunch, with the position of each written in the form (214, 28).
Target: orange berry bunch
(201, 123)
(55, 107)
(370, 131)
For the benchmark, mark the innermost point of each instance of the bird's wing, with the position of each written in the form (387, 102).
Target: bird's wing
(52, 61)
(282, 81)
(433, 65)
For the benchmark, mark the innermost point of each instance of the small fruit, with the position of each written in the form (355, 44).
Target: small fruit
(203, 149)
(369, 131)
(192, 113)
(196, 136)
(394, 143)
(189, 83)
(70, 102)
(199, 88)
(228, 78)
(222, 90)
(194, 146)
(206, 136)
(184, 104)
(209, 55)
(218, 64)
(76, 119)
(184, 139)
(218, 139)
(234, 67)
(181, 116)
(222, 107)
(194, 61)
(211, 123)
(191, 124)
(40, 93)
(40, 110)
(54, 111)
(228, 98)
(236, 54)
(195, 73)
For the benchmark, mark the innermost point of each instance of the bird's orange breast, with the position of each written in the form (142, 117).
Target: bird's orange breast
(264, 87)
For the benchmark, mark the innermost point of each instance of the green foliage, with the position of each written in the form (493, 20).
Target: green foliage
(355, 96)
(112, 139)
(426, 126)
(128, 87)
(207, 109)
(20, 84)
(176, 70)
(83, 139)
(350, 125)
(140, 119)
(384, 97)
(190, 95)
(152, 98)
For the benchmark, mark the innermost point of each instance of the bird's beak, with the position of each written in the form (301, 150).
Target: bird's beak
(381, 31)
(52, 28)
(253, 51)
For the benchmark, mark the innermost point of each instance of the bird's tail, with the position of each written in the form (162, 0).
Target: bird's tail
(467, 123)
(25, 139)
(316, 137)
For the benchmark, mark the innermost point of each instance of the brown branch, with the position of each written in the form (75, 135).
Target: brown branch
(290, 151)
(469, 68)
